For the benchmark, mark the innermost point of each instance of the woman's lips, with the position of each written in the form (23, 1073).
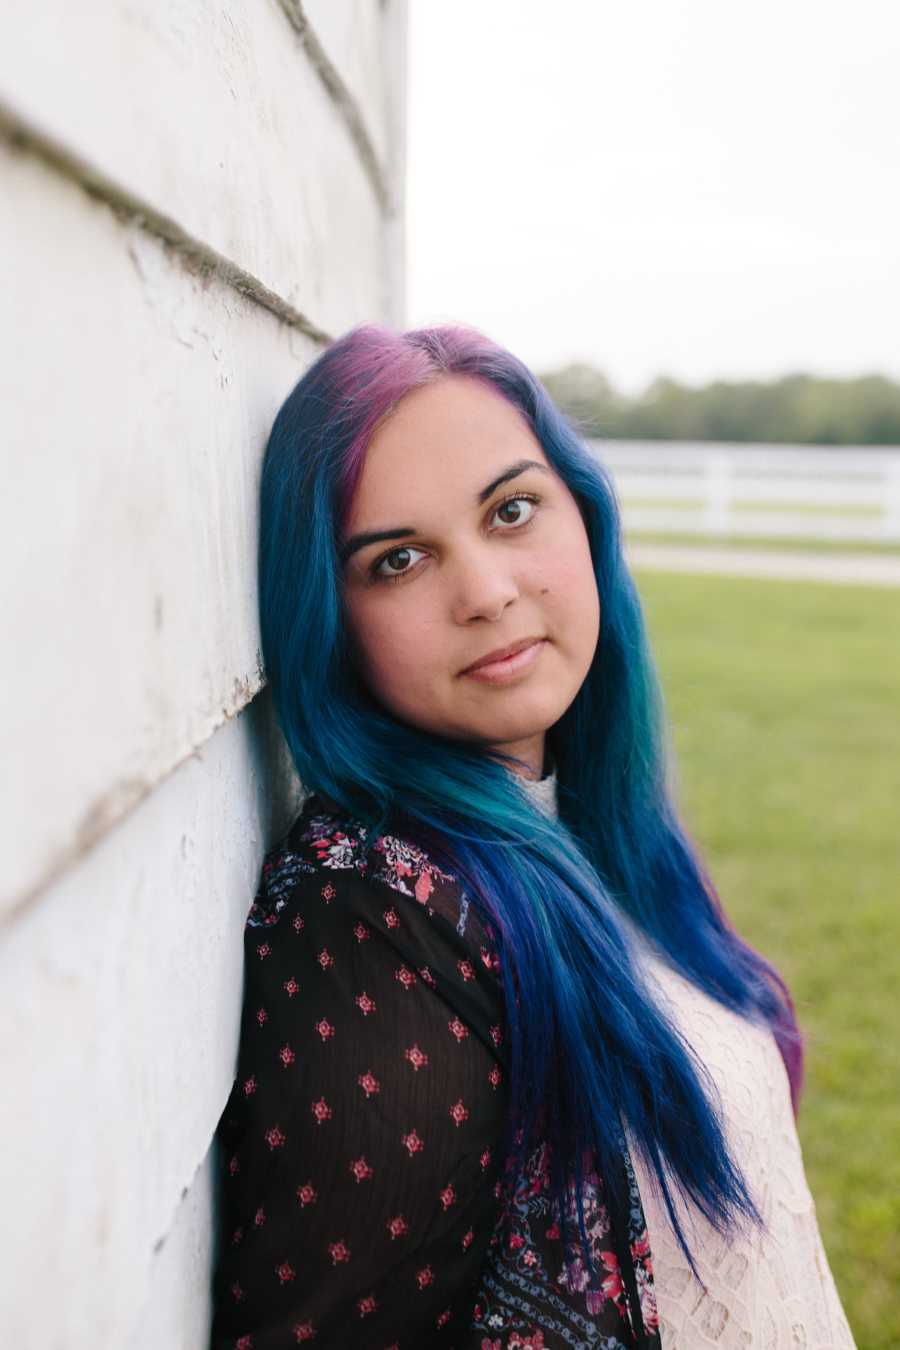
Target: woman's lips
(501, 672)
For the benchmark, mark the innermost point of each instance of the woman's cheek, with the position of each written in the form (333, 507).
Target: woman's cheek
(572, 600)
(392, 652)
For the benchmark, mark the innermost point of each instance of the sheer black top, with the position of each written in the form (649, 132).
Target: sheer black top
(360, 1197)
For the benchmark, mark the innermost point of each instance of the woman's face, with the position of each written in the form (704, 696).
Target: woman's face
(466, 564)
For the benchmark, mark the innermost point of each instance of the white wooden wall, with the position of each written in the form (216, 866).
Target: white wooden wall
(194, 196)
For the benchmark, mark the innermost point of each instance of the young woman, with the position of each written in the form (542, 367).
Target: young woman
(507, 1075)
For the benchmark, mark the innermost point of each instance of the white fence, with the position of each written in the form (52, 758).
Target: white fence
(849, 493)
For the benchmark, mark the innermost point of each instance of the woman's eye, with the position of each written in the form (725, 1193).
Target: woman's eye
(514, 502)
(382, 572)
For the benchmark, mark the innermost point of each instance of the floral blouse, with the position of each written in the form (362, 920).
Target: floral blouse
(360, 1187)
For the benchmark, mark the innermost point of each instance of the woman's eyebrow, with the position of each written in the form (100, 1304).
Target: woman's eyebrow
(358, 541)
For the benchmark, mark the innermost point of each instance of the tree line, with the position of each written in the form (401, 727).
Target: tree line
(795, 409)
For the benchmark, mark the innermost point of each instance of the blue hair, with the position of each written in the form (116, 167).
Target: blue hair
(592, 1053)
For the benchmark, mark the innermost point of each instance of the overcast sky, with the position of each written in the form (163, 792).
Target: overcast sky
(689, 187)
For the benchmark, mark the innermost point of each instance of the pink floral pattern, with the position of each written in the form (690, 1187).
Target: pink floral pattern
(361, 1193)
(526, 1283)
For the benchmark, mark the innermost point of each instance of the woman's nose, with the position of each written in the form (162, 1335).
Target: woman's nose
(482, 587)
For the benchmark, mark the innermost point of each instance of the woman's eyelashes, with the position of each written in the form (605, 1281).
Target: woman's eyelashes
(507, 527)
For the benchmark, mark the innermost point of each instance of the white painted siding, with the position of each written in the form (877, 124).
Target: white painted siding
(193, 198)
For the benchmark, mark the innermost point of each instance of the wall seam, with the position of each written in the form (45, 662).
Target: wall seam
(199, 258)
(108, 811)
(346, 104)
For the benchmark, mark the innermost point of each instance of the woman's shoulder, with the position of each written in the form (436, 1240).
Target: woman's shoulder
(338, 906)
(325, 841)
(336, 840)
(327, 852)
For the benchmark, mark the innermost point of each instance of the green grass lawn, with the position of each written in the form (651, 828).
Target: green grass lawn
(784, 699)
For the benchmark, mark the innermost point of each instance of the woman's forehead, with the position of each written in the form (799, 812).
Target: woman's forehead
(446, 430)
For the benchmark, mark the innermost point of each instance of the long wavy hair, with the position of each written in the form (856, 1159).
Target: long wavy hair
(592, 1055)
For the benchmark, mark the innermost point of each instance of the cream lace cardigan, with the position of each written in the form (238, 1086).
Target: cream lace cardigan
(772, 1292)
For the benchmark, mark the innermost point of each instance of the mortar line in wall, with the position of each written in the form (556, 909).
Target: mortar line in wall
(346, 104)
(198, 257)
(109, 811)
